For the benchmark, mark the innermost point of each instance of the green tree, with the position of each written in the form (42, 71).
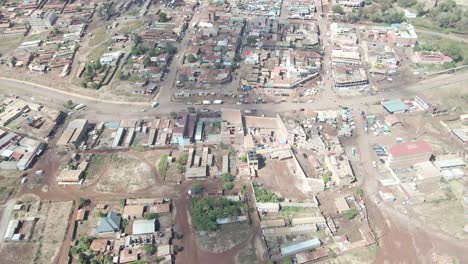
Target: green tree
(327, 176)
(228, 186)
(162, 17)
(338, 9)
(151, 216)
(351, 213)
(149, 249)
(237, 57)
(191, 58)
(359, 191)
(146, 61)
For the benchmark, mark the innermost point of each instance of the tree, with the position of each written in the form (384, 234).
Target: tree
(243, 158)
(196, 187)
(227, 177)
(237, 57)
(149, 249)
(151, 216)
(359, 191)
(183, 78)
(170, 49)
(69, 104)
(173, 115)
(84, 202)
(146, 61)
(228, 186)
(327, 176)
(351, 213)
(162, 17)
(191, 58)
(338, 9)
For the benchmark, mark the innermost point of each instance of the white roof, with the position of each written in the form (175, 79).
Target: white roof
(449, 163)
(141, 227)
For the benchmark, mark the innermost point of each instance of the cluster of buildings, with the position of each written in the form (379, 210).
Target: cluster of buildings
(211, 55)
(61, 26)
(284, 54)
(127, 248)
(347, 69)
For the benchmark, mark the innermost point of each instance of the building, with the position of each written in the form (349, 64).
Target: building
(402, 35)
(273, 223)
(99, 245)
(41, 20)
(74, 134)
(133, 211)
(252, 159)
(314, 220)
(461, 134)
(68, 176)
(409, 153)
(268, 207)
(232, 129)
(109, 224)
(299, 247)
(308, 257)
(143, 227)
(392, 120)
(447, 163)
(395, 106)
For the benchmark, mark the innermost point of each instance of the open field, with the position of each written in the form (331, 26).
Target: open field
(122, 173)
(227, 237)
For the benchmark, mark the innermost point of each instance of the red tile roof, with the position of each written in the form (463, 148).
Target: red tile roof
(410, 148)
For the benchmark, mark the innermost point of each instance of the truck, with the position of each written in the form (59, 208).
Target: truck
(206, 102)
(80, 106)
(218, 102)
(154, 104)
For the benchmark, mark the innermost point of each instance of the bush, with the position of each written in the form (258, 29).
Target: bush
(351, 213)
(359, 191)
(327, 177)
(205, 211)
(227, 177)
(265, 196)
(163, 166)
(149, 249)
(338, 9)
(191, 58)
(228, 186)
(151, 216)
(243, 158)
(81, 245)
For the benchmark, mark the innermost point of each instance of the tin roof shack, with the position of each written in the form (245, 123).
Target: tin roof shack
(143, 227)
(109, 224)
(268, 207)
(273, 223)
(395, 106)
(407, 154)
(402, 35)
(74, 134)
(308, 257)
(300, 247)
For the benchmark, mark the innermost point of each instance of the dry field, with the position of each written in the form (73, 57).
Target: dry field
(123, 173)
(227, 237)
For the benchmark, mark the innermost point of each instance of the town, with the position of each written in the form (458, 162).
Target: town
(183, 131)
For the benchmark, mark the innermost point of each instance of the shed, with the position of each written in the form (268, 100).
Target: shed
(392, 121)
(141, 227)
(133, 211)
(395, 106)
(299, 247)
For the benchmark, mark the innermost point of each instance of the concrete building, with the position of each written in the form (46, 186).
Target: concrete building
(252, 159)
(74, 134)
(409, 153)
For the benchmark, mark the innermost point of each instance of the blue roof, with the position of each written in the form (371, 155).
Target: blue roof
(110, 223)
(299, 247)
(394, 106)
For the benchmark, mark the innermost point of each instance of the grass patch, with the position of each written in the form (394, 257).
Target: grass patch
(95, 166)
(265, 196)
(163, 166)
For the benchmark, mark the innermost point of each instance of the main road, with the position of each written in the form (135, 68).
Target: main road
(99, 109)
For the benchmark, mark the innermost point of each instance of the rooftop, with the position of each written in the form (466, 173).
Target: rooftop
(410, 148)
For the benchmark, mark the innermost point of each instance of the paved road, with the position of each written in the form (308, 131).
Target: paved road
(111, 110)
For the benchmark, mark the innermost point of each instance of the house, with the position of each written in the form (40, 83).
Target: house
(308, 257)
(68, 176)
(81, 215)
(127, 256)
(392, 120)
(395, 106)
(164, 250)
(143, 227)
(160, 208)
(109, 224)
(99, 245)
(409, 153)
(133, 211)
